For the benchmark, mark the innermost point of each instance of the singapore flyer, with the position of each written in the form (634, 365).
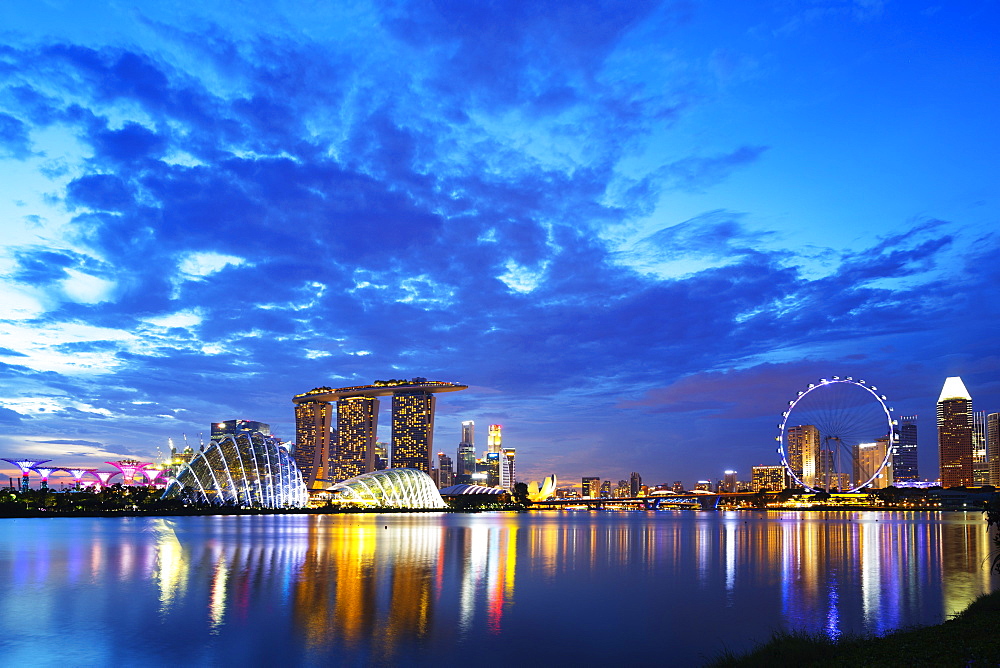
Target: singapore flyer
(837, 435)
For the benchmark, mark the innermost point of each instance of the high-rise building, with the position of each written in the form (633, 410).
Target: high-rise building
(357, 424)
(622, 490)
(728, 482)
(635, 484)
(467, 453)
(412, 430)
(381, 455)
(357, 414)
(980, 464)
(493, 440)
(313, 435)
(445, 474)
(993, 447)
(605, 489)
(236, 427)
(591, 487)
(904, 453)
(954, 423)
(508, 472)
(768, 478)
(678, 486)
(869, 457)
(804, 456)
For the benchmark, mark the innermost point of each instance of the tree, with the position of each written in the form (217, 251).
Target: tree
(521, 494)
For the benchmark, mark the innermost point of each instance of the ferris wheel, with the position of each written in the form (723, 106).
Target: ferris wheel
(838, 434)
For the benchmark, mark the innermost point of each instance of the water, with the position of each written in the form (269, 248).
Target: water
(490, 589)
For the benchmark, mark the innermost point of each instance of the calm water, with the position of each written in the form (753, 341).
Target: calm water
(672, 587)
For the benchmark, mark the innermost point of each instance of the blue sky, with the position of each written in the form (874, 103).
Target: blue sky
(635, 230)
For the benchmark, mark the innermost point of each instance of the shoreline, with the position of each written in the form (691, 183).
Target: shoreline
(968, 639)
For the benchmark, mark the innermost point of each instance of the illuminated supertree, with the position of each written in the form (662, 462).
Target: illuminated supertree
(78, 474)
(103, 476)
(26, 466)
(129, 467)
(152, 475)
(45, 473)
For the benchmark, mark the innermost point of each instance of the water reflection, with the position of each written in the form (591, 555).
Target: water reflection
(430, 587)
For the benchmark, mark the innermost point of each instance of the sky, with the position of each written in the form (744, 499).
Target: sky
(635, 230)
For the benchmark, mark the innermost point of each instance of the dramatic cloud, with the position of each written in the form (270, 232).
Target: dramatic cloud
(633, 230)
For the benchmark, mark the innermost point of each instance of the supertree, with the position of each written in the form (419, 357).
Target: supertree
(103, 476)
(26, 466)
(129, 467)
(78, 474)
(45, 472)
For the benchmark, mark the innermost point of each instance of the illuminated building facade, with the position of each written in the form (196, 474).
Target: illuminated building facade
(445, 474)
(236, 427)
(869, 458)
(357, 423)
(768, 478)
(729, 482)
(313, 436)
(954, 423)
(412, 430)
(904, 454)
(591, 487)
(494, 440)
(249, 470)
(993, 447)
(467, 452)
(508, 471)
(804, 455)
(318, 450)
(980, 464)
(635, 484)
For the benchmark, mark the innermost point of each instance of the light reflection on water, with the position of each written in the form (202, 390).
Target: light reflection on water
(427, 588)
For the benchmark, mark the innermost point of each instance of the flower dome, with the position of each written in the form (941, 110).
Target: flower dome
(249, 470)
(392, 488)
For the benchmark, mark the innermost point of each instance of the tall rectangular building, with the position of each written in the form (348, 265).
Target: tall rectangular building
(768, 478)
(508, 473)
(869, 457)
(591, 487)
(993, 447)
(412, 430)
(804, 457)
(357, 424)
(904, 454)
(314, 435)
(467, 453)
(954, 423)
(980, 464)
(635, 484)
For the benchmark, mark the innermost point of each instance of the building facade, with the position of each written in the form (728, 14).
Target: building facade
(993, 447)
(591, 487)
(466, 453)
(804, 455)
(954, 424)
(768, 478)
(314, 434)
(357, 424)
(980, 463)
(904, 454)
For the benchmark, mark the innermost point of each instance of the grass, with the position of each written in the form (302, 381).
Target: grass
(971, 639)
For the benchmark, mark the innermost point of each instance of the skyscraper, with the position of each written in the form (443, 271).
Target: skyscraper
(954, 423)
(635, 484)
(993, 447)
(321, 457)
(768, 478)
(728, 482)
(467, 453)
(869, 458)
(508, 472)
(980, 464)
(236, 427)
(313, 436)
(412, 430)
(493, 441)
(904, 454)
(591, 487)
(357, 423)
(804, 455)
(445, 474)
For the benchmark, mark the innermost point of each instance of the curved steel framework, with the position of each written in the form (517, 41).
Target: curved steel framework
(249, 470)
(392, 488)
(844, 418)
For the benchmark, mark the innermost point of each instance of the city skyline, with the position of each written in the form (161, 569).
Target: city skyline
(634, 230)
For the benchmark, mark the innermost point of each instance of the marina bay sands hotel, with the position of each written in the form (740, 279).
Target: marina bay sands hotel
(330, 447)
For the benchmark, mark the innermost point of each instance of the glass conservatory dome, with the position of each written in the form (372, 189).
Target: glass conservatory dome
(392, 488)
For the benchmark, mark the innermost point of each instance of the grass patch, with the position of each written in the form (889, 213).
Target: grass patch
(971, 639)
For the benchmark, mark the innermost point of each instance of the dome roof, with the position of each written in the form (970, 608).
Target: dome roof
(391, 488)
(456, 490)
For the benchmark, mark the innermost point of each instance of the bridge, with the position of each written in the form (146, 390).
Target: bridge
(701, 501)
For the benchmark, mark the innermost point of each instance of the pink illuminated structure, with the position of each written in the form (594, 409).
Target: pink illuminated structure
(45, 473)
(26, 466)
(103, 476)
(152, 475)
(78, 474)
(129, 468)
